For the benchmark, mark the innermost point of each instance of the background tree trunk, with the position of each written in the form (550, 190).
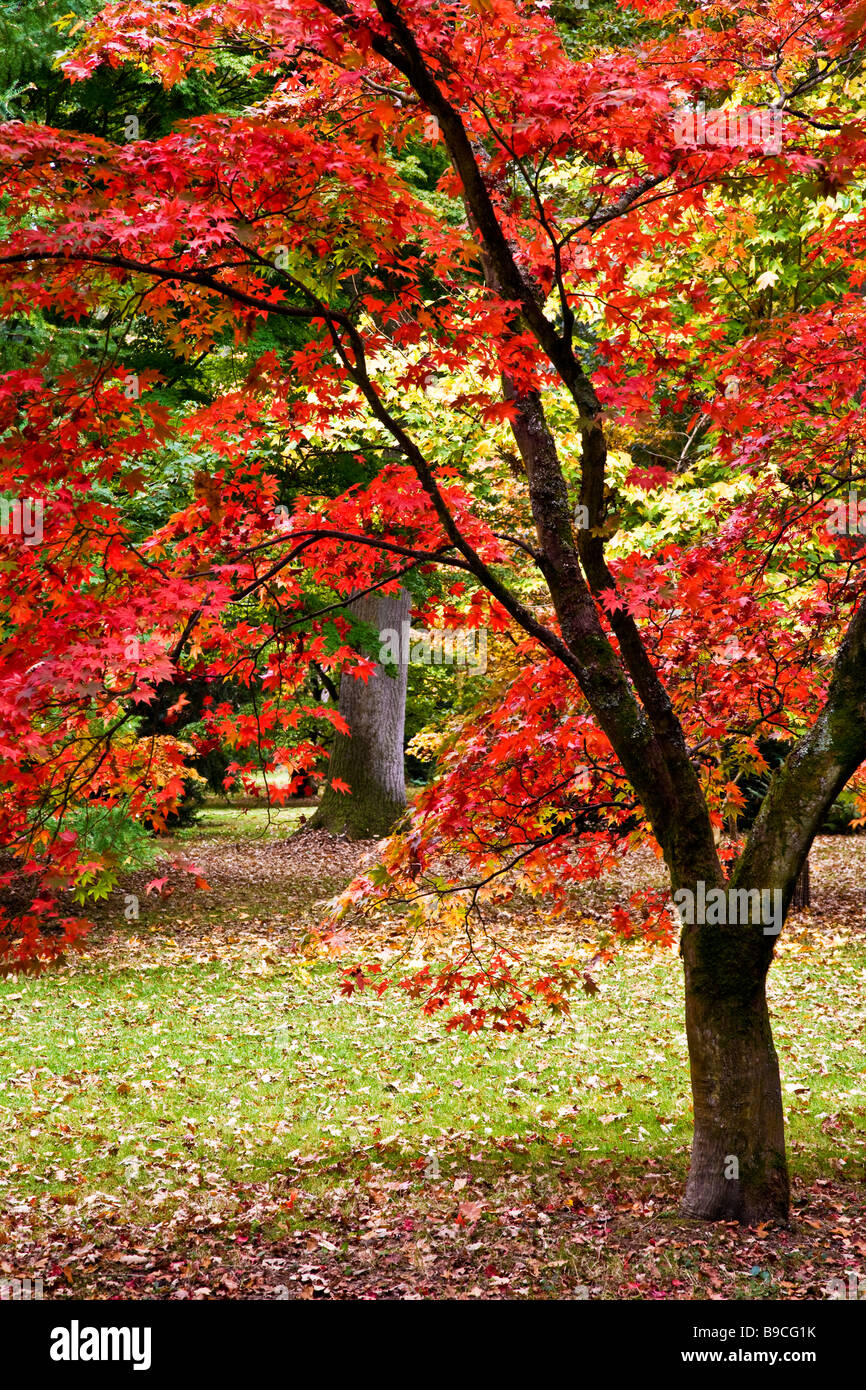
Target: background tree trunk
(370, 760)
(803, 889)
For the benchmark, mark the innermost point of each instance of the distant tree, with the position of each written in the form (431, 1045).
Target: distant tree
(366, 790)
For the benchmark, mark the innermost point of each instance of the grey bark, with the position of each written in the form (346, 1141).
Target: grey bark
(370, 758)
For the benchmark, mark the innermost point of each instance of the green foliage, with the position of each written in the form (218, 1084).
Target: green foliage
(28, 46)
(117, 843)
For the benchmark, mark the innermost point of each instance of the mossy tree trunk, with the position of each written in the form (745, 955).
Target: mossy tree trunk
(734, 1068)
(738, 1165)
(370, 758)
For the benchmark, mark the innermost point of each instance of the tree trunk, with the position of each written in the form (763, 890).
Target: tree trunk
(370, 759)
(803, 889)
(738, 1165)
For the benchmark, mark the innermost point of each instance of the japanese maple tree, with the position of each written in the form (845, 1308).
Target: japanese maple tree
(561, 296)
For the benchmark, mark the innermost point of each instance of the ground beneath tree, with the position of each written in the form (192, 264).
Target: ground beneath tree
(203, 1117)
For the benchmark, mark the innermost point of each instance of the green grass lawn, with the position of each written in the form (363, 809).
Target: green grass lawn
(193, 1109)
(163, 1089)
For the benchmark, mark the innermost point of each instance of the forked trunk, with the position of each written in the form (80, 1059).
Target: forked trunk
(738, 1167)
